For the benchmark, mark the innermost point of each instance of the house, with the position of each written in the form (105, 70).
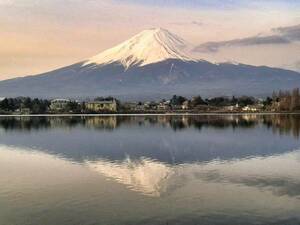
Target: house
(133, 106)
(176, 107)
(231, 107)
(164, 105)
(253, 108)
(140, 107)
(186, 105)
(59, 104)
(150, 105)
(102, 106)
(249, 109)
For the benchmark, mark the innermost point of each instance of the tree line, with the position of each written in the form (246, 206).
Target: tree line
(216, 101)
(22, 103)
(279, 101)
(286, 100)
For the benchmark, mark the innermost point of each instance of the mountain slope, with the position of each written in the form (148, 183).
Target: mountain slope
(149, 46)
(153, 64)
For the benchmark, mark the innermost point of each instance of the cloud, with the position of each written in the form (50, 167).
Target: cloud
(198, 23)
(282, 35)
(256, 40)
(6, 2)
(195, 23)
(296, 66)
(291, 32)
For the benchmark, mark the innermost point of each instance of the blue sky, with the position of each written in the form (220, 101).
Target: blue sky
(216, 4)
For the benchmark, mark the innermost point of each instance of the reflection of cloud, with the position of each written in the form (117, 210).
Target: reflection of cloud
(279, 185)
(281, 35)
(280, 174)
(145, 176)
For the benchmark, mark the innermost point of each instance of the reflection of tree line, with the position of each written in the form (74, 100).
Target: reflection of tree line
(283, 123)
(24, 123)
(220, 122)
(35, 123)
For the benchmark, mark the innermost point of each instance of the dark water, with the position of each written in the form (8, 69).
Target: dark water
(150, 170)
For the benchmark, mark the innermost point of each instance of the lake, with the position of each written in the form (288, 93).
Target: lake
(132, 170)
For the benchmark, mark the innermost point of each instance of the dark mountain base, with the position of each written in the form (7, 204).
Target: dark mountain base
(154, 81)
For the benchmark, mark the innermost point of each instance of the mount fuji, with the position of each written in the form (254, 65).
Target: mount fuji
(153, 64)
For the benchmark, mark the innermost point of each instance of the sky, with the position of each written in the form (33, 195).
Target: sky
(41, 35)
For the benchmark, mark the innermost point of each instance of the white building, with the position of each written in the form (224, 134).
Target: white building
(59, 104)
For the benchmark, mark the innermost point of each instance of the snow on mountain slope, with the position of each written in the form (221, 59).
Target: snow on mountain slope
(149, 46)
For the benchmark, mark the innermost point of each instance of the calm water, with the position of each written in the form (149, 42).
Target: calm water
(150, 170)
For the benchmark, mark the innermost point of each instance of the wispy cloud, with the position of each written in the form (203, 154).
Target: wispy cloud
(291, 32)
(195, 23)
(282, 35)
(297, 65)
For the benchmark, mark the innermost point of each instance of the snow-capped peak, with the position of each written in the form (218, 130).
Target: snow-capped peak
(149, 46)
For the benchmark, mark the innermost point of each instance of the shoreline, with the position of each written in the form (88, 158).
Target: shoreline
(151, 114)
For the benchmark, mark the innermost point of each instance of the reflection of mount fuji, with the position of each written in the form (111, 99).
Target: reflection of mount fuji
(157, 179)
(146, 176)
(276, 175)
